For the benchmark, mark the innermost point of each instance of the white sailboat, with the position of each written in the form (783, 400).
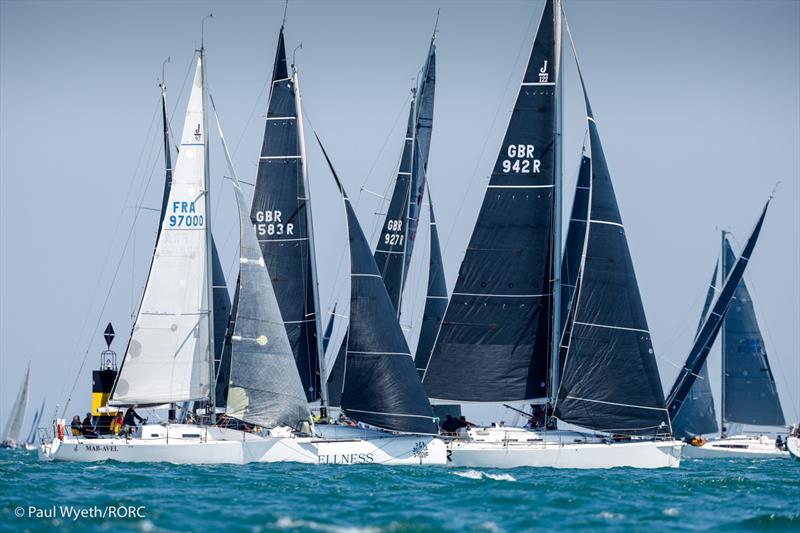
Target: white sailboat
(11, 433)
(500, 338)
(793, 447)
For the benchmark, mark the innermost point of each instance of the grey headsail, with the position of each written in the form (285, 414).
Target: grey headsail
(264, 384)
(222, 300)
(697, 415)
(493, 344)
(336, 375)
(609, 377)
(396, 241)
(750, 395)
(576, 235)
(435, 299)
(381, 386)
(708, 333)
(280, 214)
(11, 433)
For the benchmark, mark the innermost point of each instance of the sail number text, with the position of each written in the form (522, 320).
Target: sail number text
(394, 233)
(520, 160)
(271, 223)
(184, 215)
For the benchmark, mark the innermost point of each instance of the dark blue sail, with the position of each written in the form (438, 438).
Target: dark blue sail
(336, 375)
(576, 235)
(381, 386)
(279, 214)
(750, 395)
(713, 323)
(609, 377)
(396, 241)
(435, 299)
(697, 415)
(326, 337)
(167, 161)
(493, 344)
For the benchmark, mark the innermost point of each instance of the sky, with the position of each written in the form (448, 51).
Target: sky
(697, 104)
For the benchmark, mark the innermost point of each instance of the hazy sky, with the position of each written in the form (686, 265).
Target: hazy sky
(697, 103)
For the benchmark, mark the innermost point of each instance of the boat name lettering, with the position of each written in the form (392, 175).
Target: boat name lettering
(101, 448)
(346, 459)
(271, 223)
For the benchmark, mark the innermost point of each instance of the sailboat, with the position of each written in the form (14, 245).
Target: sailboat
(11, 433)
(500, 339)
(749, 394)
(395, 246)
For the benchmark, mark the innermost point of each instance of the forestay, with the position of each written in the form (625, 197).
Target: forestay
(493, 344)
(168, 357)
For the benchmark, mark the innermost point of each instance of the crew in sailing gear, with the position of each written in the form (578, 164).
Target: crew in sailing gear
(450, 424)
(779, 442)
(87, 428)
(75, 426)
(129, 420)
(724, 434)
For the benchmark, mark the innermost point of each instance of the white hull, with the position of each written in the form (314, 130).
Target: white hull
(738, 447)
(793, 445)
(517, 447)
(184, 444)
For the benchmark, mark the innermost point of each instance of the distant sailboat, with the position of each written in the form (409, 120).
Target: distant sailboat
(749, 393)
(11, 433)
(498, 338)
(30, 441)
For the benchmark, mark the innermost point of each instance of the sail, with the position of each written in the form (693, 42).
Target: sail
(37, 417)
(493, 344)
(750, 394)
(167, 358)
(713, 323)
(697, 415)
(336, 375)
(14, 426)
(609, 377)
(326, 337)
(381, 386)
(576, 235)
(396, 241)
(280, 202)
(435, 299)
(222, 300)
(223, 369)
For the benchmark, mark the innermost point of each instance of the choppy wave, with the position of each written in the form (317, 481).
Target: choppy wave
(476, 474)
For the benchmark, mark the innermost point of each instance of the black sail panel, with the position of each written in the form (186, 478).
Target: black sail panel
(392, 245)
(435, 299)
(280, 218)
(697, 415)
(713, 323)
(222, 314)
(610, 380)
(576, 235)
(336, 376)
(751, 396)
(493, 344)
(381, 385)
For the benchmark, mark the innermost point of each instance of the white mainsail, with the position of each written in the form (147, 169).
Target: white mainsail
(167, 359)
(11, 432)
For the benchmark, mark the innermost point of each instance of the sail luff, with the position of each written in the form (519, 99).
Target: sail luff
(708, 333)
(167, 161)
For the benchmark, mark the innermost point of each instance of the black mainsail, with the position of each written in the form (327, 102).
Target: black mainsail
(281, 215)
(697, 415)
(712, 324)
(381, 386)
(609, 376)
(435, 299)
(750, 395)
(494, 341)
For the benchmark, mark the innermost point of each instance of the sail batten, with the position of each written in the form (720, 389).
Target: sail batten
(493, 343)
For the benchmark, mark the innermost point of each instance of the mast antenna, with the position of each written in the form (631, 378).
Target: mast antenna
(774, 190)
(285, 9)
(203, 29)
(163, 83)
(435, 24)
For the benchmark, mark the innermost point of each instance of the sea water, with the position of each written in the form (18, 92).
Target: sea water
(702, 494)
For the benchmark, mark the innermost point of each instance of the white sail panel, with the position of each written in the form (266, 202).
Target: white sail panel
(167, 359)
(11, 432)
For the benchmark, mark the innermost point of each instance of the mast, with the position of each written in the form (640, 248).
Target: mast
(209, 267)
(323, 385)
(725, 270)
(557, 207)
